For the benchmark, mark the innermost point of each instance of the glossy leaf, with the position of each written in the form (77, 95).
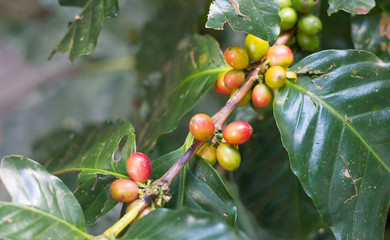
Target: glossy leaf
(42, 206)
(335, 127)
(94, 197)
(194, 71)
(183, 223)
(267, 185)
(369, 32)
(198, 186)
(83, 32)
(259, 18)
(351, 6)
(102, 150)
(95, 151)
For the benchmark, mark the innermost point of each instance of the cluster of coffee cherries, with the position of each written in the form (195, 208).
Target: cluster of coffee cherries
(125, 190)
(278, 57)
(224, 147)
(294, 12)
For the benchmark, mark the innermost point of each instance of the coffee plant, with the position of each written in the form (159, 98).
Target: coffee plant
(223, 119)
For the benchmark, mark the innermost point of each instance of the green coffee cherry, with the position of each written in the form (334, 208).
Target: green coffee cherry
(288, 18)
(308, 43)
(303, 6)
(255, 47)
(284, 3)
(309, 24)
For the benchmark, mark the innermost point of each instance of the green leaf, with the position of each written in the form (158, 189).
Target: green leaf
(267, 185)
(351, 6)
(335, 127)
(369, 32)
(259, 18)
(94, 197)
(197, 186)
(99, 154)
(183, 223)
(84, 31)
(95, 151)
(42, 206)
(194, 71)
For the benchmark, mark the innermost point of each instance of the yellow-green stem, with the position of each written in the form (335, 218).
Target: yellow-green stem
(124, 221)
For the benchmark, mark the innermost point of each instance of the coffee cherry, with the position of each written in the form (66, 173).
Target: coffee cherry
(255, 47)
(234, 78)
(236, 57)
(208, 153)
(284, 3)
(280, 55)
(308, 43)
(220, 85)
(245, 100)
(261, 95)
(309, 24)
(303, 6)
(228, 156)
(139, 167)
(291, 75)
(124, 190)
(288, 18)
(237, 133)
(202, 127)
(275, 77)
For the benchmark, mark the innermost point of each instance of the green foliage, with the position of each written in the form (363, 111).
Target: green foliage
(42, 206)
(334, 125)
(352, 6)
(84, 31)
(193, 72)
(259, 18)
(183, 223)
(369, 32)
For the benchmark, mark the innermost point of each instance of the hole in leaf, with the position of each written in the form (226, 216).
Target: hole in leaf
(118, 151)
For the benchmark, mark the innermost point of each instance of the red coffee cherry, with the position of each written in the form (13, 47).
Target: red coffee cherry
(275, 77)
(139, 167)
(236, 57)
(220, 85)
(237, 133)
(234, 78)
(202, 127)
(280, 55)
(261, 95)
(124, 190)
(208, 153)
(228, 156)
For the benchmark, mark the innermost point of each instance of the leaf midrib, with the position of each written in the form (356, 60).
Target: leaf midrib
(337, 115)
(41, 212)
(93, 171)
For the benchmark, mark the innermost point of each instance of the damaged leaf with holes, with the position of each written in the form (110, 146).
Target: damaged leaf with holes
(100, 155)
(335, 127)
